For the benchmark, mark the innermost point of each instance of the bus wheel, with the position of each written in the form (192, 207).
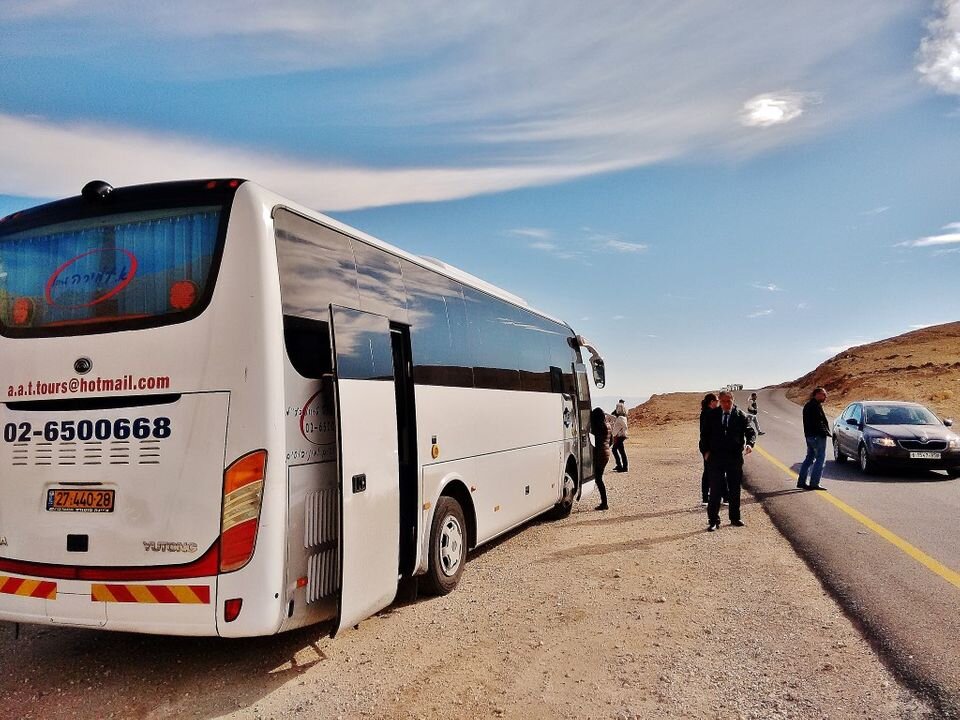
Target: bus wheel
(562, 509)
(448, 547)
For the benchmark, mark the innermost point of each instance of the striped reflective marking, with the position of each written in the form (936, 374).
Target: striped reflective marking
(28, 588)
(167, 594)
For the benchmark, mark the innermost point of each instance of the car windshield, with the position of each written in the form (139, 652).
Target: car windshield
(899, 415)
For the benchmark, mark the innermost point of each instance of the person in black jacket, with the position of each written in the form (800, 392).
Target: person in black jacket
(601, 451)
(816, 430)
(708, 403)
(726, 436)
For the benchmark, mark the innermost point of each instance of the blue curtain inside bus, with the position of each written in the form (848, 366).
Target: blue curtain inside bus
(111, 268)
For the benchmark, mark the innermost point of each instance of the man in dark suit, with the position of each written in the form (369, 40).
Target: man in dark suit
(725, 437)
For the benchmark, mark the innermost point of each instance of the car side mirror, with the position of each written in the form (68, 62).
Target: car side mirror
(599, 372)
(853, 421)
(948, 422)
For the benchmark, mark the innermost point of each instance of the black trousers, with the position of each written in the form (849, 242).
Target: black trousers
(705, 485)
(619, 454)
(725, 475)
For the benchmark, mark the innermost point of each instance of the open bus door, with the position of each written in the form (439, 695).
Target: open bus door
(369, 471)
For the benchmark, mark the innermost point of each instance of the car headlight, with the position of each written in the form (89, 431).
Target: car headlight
(884, 442)
(954, 443)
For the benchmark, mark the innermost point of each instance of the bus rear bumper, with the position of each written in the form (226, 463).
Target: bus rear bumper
(167, 608)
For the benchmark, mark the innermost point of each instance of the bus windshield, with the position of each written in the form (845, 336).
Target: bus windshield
(107, 272)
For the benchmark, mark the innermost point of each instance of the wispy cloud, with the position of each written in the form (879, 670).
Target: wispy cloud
(619, 317)
(775, 108)
(803, 306)
(529, 116)
(761, 313)
(42, 159)
(623, 246)
(539, 233)
(938, 59)
(544, 245)
(877, 210)
(766, 286)
(951, 236)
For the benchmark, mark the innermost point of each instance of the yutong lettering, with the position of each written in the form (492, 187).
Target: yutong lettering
(159, 546)
(84, 385)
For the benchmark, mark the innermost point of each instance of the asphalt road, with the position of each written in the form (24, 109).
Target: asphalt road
(889, 549)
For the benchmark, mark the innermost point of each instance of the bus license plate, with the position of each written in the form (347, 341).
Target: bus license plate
(92, 501)
(925, 455)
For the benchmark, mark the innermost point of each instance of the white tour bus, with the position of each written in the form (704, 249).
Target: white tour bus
(225, 414)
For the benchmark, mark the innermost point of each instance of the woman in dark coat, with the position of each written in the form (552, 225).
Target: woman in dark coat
(601, 451)
(708, 403)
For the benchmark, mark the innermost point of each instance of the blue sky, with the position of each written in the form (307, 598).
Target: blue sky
(710, 194)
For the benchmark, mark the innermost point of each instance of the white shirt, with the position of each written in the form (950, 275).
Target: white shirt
(619, 427)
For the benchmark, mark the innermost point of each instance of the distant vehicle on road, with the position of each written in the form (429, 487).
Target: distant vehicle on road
(902, 435)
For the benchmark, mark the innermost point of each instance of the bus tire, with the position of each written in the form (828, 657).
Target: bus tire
(563, 508)
(448, 547)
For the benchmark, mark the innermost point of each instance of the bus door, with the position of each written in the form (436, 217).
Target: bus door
(583, 412)
(367, 444)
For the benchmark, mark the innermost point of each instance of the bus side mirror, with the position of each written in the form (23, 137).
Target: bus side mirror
(599, 372)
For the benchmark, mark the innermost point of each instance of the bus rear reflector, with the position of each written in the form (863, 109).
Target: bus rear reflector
(231, 609)
(242, 498)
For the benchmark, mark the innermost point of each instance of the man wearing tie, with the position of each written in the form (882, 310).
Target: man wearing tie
(726, 436)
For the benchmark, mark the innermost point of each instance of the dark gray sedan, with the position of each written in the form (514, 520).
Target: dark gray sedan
(898, 435)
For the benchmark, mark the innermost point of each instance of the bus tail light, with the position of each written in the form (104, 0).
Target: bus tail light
(242, 498)
(22, 311)
(231, 609)
(183, 294)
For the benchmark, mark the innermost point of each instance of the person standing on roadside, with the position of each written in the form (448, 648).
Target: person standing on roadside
(601, 451)
(727, 435)
(708, 403)
(816, 430)
(753, 413)
(619, 432)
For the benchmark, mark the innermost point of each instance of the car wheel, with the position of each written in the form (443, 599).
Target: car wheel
(867, 466)
(837, 455)
(448, 547)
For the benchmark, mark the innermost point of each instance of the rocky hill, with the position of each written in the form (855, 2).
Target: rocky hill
(665, 409)
(921, 366)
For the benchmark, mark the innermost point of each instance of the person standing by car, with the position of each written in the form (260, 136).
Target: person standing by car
(816, 430)
(619, 432)
(726, 437)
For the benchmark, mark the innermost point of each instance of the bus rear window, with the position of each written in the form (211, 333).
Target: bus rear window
(110, 272)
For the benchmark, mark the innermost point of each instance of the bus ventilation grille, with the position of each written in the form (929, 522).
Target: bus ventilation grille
(93, 452)
(322, 518)
(322, 573)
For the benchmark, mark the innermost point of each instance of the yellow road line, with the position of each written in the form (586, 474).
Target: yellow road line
(921, 557)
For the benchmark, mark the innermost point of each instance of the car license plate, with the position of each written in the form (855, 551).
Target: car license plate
(92, 501)
(925, 455)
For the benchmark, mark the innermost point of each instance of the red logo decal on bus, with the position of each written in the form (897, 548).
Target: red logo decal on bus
(90, 277)
(314, 424)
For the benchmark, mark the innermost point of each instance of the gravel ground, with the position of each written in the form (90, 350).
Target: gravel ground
(632, 613)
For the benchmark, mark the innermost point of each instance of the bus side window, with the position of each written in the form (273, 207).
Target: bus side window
(308, 346)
